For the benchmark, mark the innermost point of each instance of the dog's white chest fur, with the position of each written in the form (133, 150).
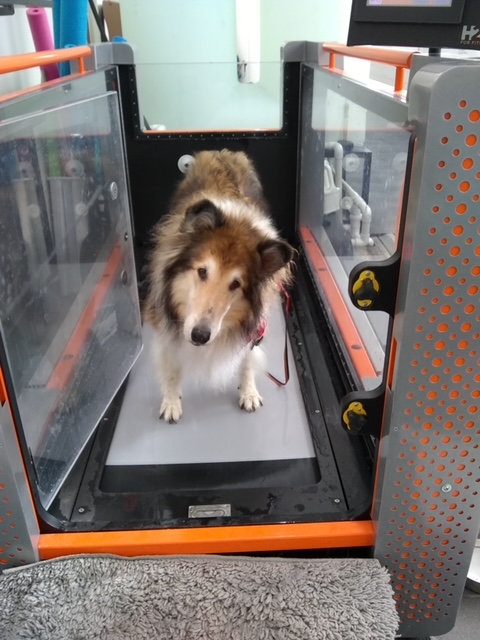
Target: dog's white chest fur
(213, 366)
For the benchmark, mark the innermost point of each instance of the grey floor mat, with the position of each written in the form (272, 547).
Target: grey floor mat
(197, 598)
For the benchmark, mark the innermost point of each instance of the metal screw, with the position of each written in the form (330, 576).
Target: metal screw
(124, 277)
(395, 428)
(446, 488)
(125, 237)
(112, 190)
(299, 344)
(317, 410)
(81, 509)
(337, 500)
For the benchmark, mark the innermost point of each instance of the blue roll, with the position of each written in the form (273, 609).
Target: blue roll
(73, 27)
(64, 67)
(73, 22)
(56, 22)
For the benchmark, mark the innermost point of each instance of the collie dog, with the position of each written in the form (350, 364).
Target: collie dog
(216, 266)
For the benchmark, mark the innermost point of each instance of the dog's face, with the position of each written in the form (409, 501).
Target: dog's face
(217, 284)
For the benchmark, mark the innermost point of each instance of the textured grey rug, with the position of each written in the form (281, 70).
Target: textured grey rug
(197, 598)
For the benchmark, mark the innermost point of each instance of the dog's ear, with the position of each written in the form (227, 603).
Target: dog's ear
(203, 216)
(274, 255)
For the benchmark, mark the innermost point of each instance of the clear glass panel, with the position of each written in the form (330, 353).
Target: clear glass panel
(69, 312)
(209, 97)
(216, 64)
(353, 162)
(46, 96)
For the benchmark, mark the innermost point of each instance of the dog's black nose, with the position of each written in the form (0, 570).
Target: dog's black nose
(200, 335)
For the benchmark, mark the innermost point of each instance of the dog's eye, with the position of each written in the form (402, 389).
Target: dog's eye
(202, 273)
(235, 284)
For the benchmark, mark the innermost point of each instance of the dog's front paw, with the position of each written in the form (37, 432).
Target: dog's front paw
(171, 409)
(250, 400)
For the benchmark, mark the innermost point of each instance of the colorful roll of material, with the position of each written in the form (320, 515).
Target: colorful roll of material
(70, 20)
(42, 38)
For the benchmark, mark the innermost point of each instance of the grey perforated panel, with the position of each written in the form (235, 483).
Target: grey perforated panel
(18, 526)
(427, 504)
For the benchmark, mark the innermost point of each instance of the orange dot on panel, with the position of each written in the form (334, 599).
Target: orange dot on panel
(453, 176)
(458, 230)
(456, 152)
(464, 186)
(471, 140)
(474, 115)
(475, 271)
(455, 251)
(444, 140)
(448, 291)
(461, 208)
(467, 163)
(447, 115)
(462, 104)
(438, 187)
(473, 290)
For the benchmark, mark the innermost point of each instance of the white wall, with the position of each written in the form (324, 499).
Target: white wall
(15, 38)
(186, 50)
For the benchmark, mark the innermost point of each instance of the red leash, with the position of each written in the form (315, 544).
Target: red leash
(286, 367)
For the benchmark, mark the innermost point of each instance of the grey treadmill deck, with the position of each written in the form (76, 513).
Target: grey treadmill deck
(213, 428)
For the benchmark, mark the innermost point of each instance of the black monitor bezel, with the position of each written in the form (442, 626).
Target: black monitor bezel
(362, 12)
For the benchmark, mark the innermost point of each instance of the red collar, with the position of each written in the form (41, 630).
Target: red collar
(259, 333)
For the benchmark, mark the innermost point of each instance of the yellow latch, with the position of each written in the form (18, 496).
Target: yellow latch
(366, 289)
(355, 412)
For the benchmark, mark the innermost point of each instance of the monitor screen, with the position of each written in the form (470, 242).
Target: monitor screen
(409, 11)
(453, 24)
(409, 3)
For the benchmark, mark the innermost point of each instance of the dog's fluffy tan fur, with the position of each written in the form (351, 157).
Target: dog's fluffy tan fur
(216, 266)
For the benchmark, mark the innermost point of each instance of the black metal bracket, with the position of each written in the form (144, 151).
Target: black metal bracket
(6, 9)
(362, 411)
(373, 286)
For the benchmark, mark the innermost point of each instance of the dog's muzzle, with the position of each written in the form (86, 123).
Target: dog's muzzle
(200, 335)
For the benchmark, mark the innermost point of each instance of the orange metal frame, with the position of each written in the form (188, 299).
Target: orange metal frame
(360, 358)
(401, 60)
(23, 61)
(229, 539)
(10, 64)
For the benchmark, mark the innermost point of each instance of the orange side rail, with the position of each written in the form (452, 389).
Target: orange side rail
(3, 389)
(360, 358)
(402, 60)
(64, 370)
(230, 539)
(9, 64)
